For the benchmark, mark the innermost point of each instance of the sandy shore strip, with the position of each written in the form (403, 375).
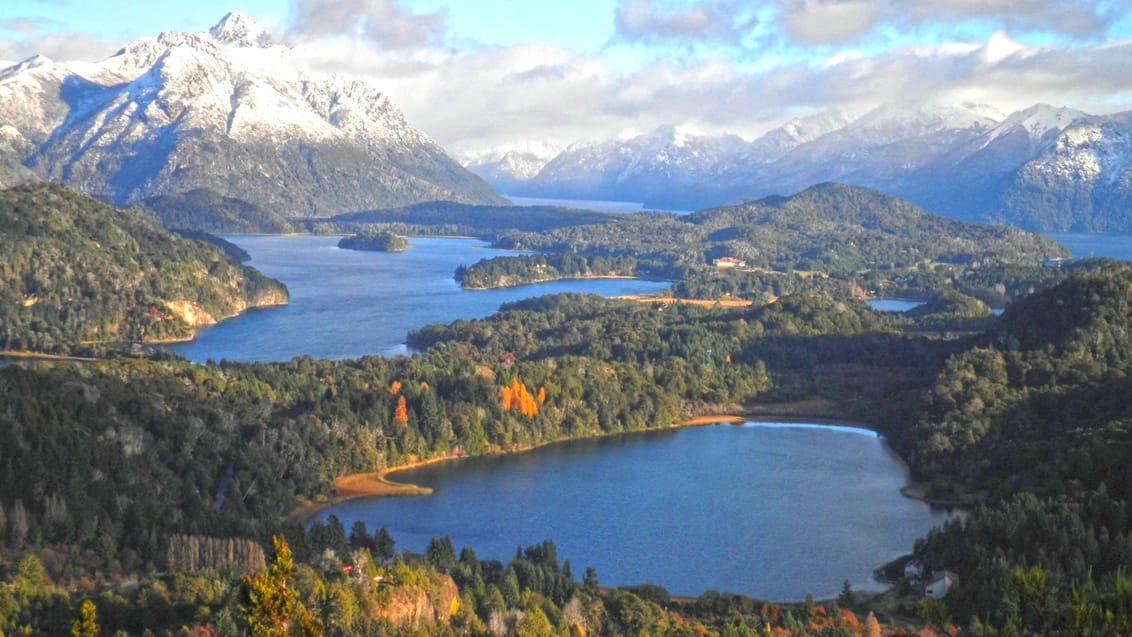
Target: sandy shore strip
(29, 355)
(668, 300)
(377, 483)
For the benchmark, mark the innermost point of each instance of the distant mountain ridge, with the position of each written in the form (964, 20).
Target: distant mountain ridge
(1043, 168)
(227, 110)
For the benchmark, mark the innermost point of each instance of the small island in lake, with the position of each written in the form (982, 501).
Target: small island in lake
(383, 241)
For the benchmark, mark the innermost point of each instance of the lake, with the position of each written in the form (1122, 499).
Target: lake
(1085, 245)
(893, 305)
(352, 303)
(772, 511)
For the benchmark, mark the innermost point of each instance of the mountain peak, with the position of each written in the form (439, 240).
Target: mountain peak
(34, 62)
(239, 29)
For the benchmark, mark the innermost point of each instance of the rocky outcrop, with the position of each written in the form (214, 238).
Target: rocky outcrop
(430, 602)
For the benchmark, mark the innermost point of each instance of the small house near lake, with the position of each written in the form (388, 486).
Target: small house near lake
(729, 262)
(938, 585)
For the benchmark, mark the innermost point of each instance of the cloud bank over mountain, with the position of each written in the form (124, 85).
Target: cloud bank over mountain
(493, 74)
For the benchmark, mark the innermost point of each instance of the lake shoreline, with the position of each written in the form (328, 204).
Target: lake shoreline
(588, 277)
(670, 300)
(377, 484)
(42, 356)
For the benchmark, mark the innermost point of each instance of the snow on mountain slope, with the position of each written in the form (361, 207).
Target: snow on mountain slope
(1043, 167)
(227, 110)
(659, 164)
(1082, 181)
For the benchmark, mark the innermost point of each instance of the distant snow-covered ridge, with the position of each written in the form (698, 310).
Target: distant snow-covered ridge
(228, 110)
(1044, 167)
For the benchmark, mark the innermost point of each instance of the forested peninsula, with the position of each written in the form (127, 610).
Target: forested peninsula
(76, 274)
(156, 495)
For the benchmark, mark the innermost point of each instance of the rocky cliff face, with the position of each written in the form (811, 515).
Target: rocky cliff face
(226, 110)
(420, 605)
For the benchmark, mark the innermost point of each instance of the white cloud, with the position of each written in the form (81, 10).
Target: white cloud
(58, 46)
(842, 21)
(499, 97)
(829, 21)
(478, 98)
(651, 21)
(383, 23)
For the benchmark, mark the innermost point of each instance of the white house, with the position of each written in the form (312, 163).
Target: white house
(729, 262)
(940, 583)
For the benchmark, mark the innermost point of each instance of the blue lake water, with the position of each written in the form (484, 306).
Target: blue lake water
(893, 305)
(351, 303)
(773, 511)
(1084, 245)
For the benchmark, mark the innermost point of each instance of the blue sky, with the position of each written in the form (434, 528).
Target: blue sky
(478, 74)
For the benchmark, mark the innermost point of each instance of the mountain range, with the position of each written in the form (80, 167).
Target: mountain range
(1044, 168)
(227, 110)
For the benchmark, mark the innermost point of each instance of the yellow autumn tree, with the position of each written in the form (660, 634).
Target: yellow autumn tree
(87, 624)
(271, 607)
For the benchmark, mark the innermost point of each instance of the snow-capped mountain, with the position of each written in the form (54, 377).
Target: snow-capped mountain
(507, 166)
(1081, 180)
(644, 167)
(227, 110)
(1043, 167)
(882, 149)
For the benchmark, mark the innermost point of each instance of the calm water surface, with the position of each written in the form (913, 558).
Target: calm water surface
(351, 303)
(1084, 245)
(893, 305)
(771, 511)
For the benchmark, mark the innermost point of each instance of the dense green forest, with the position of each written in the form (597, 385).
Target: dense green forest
(75, 273)
(130, 461)
(827, 228)
(133, 465)
(837, 239)
(375, 240)
(506, 271)
(153, 494)
(206, 210)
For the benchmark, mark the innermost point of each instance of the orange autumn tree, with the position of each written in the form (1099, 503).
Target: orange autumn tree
(401, 413)
(395, 387)
(518, 398)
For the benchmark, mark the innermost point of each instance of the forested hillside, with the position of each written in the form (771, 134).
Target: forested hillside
(148, 487)
(1034, 421)
(208, 211)
(827, 228)
(139, 466)
(75, 273)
